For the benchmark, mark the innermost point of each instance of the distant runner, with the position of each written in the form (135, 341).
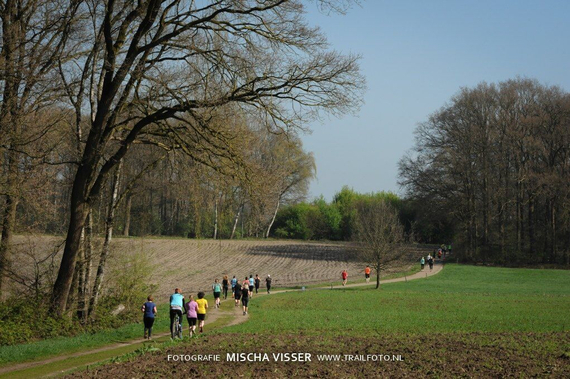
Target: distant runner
(367, 273)
(225, 286)
(237, 294)
(245, 293)
(251, 285)
(344, 277)
(268, 283)
(201, 313)
(257, 283)
(234, 283)
(217, 288)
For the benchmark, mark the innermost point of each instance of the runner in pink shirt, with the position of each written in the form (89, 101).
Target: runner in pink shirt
(192, 315)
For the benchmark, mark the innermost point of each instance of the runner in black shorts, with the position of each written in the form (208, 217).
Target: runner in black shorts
(257, 283)
(245, 298)
(237, 294)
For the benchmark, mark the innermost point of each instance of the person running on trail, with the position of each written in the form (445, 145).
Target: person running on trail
(268, 283)
(430, 262)
(176, 306)
(245, 294)
(201, 313)
(237, 293)
(422, 262)
(149, 312)
(251, 285)
(191, 315)
(217, 288)
(367, 273)
(225, 285)
(234, 283)
(257, 283)
(344, 277)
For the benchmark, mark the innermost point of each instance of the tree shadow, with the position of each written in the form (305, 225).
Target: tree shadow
(339, 253)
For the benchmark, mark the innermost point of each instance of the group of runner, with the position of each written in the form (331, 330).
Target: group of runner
(195, 309)
(344, 275)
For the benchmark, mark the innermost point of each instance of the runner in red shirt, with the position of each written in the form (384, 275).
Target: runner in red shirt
(367, 273)
(344, 277)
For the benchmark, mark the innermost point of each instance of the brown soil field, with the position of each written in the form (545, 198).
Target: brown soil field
(471, 355)
(193, 265)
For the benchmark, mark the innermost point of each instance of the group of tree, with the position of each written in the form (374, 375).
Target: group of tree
(490, 170)
(183, 114)
(377, 224)
(334, 221)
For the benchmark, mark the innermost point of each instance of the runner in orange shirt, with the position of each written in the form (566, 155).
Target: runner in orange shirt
(367, 273)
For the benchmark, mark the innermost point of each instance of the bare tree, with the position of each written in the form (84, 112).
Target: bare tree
(378, 233)
(159, 61)
(33, 35)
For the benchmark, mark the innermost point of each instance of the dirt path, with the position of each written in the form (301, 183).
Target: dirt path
(213, 316)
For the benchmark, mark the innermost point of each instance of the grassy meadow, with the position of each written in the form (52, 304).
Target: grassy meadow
(459, 299)
(466, 321)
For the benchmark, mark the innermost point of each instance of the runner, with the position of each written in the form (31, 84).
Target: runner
(257, 282)
(251, 284)
(268, 283)
(367, 273)
(176, 306)
(217, 288)
(344, 277)
(191, 315)
(237, 293)
(149, 312)
(234, 283)
(245, 293)
(430, 262)
(201, 312)
(225, 285)
(422, 262)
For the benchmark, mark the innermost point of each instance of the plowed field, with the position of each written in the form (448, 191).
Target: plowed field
(194, 264)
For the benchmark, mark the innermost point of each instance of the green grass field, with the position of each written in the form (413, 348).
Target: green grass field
(464, 322)
(459, 299)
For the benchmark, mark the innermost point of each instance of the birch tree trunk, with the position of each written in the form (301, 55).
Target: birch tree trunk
(236, 219)
(127, 215)
(274, 216)
(106, 244)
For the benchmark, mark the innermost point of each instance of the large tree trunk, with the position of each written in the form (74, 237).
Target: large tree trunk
(9, 219)
(62, 285)
(107, 242)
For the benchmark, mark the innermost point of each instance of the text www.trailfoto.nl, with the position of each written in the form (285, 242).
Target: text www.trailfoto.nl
(359, 358)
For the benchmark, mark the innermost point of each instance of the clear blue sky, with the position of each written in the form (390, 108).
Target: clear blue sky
(415, 56)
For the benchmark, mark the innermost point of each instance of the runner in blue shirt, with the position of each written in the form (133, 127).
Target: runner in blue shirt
(149, 311)
(176, 307)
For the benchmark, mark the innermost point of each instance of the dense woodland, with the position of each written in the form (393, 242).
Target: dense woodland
(491, 170)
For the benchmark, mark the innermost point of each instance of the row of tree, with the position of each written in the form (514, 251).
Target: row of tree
(155, 96)
(491, 170)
